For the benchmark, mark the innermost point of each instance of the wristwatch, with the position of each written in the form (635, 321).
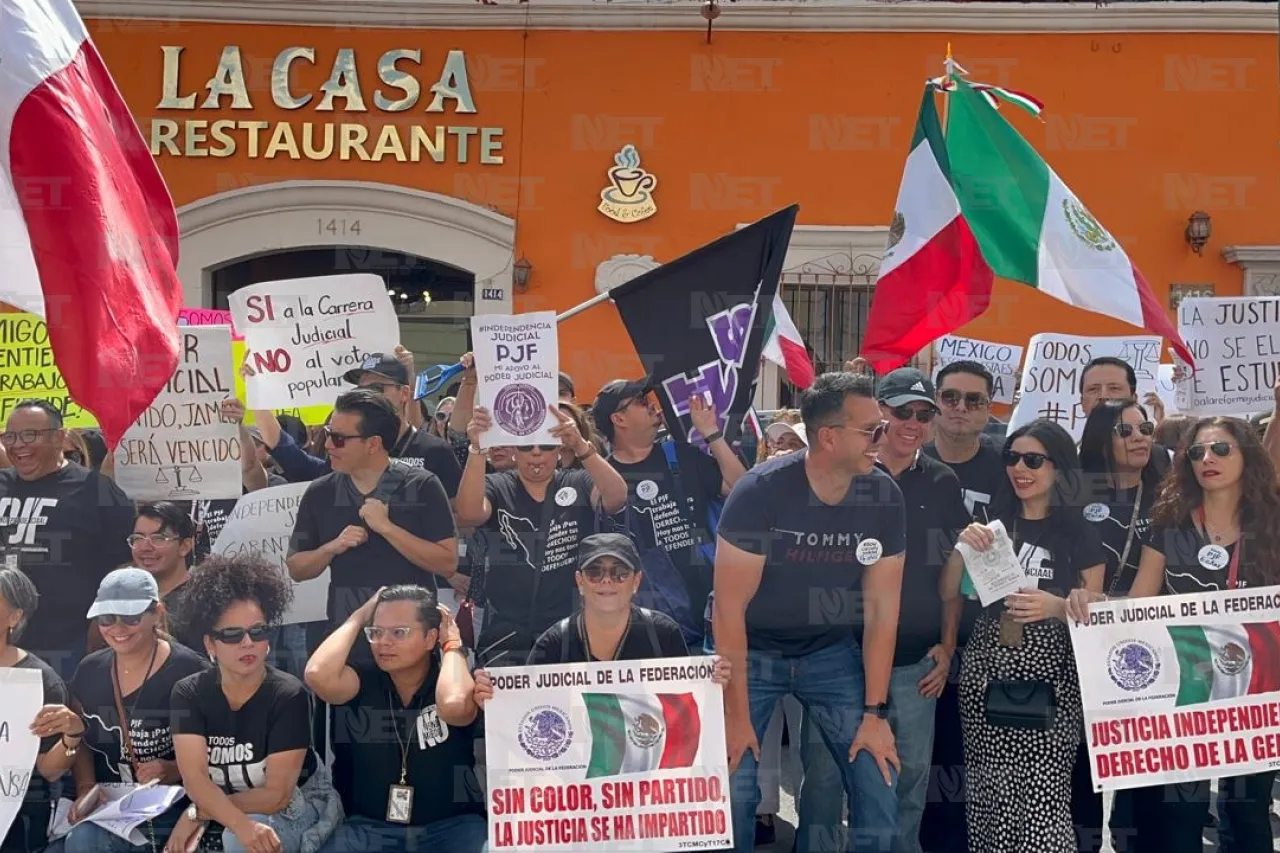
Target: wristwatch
(192, 813)
(881, 710)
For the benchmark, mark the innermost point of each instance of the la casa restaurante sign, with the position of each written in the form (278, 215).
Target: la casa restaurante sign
(399, 90)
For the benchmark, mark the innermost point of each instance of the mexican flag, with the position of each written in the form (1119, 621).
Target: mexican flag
(638, 733)
(1029, 227)
(1226, 661)
(785, 348)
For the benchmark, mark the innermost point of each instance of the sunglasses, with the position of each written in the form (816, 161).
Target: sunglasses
(1220, 449)
(972, 400)
(1146, 428)
(234, 636)
(596, 574)
(398, 634)
(106, 620)
(1033, 461)
(339, 439)
(545, 448)
(443, 416)
(906, 413)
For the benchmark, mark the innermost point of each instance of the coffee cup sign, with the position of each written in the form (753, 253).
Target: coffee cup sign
(301, 335)
(518, 373)
(1235, 341)
(1001, 360)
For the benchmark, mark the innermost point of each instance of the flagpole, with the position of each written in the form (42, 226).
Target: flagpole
(585, 306)
(948, 68)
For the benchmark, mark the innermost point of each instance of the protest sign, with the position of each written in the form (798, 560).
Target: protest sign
(180, 448)
(1001, 359)
(29, 370)
(622, 756)
(517, 373)
(303, 334)
(1051, 374)
(23, 694)
(260, 526)
(1166, 389)
(1185, 687)
(1235, 341)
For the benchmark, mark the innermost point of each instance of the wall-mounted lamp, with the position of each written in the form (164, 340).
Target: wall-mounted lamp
(520, 273)
(1199, 229)
(710, 11)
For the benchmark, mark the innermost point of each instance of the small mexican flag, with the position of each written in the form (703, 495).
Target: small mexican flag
(1226, 661)
(785, 348)
(638, 733)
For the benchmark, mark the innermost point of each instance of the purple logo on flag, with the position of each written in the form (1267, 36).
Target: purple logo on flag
(716, 381)
(520, 409)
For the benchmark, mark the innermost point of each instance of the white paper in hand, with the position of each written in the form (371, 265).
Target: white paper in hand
(996, 571)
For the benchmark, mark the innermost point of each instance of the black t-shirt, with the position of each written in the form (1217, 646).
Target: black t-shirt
(417, 503)
(1110, 512)
(936, 513)
(651, 635)
(1185, 570)
(654, 503)
(277, 718)
(418, 450)
(810, 588)
(982, 477)
(29, 830)
(522, 534)
(68, 529)
(148, 709)
(1053, 554)
(175, 605)
(440, 759)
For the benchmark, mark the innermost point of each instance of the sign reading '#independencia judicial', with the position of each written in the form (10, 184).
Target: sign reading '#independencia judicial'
(397, 90)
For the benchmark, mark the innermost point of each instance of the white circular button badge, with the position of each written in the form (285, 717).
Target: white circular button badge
(1214, 557)
(566, 496)
(1097, 512)
(646, 490)
(869, 550)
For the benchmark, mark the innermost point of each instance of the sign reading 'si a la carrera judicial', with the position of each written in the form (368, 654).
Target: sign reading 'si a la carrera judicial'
(444, 136)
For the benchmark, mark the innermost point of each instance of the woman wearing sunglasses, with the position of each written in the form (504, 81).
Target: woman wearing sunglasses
(242, 729)
(131, 679)
(1019, 694)
(1215, 526)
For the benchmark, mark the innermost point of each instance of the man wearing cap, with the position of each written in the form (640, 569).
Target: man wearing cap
(670, 487)
(414, 448)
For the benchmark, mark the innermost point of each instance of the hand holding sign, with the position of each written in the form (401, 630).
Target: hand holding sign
(484, 687)
(481, 422)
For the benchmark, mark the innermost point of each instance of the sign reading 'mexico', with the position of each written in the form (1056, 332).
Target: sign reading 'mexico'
(397, 91)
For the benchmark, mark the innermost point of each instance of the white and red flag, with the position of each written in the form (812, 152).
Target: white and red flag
(88, 233)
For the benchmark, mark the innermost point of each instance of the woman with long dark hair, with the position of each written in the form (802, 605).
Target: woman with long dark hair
(1215, 526)
(1019, 694)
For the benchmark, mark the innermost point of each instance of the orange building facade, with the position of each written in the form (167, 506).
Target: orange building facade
(481, 139)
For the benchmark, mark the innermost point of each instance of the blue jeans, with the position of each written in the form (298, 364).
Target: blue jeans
(461, 834)
(91, 838)
(289, 827)
(829, 685)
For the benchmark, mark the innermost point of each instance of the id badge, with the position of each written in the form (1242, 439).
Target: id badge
(399, 804)
(1010, 631)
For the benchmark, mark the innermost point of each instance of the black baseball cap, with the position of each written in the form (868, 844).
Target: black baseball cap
(381, 364)
(905, 385)
(611, 397)
(615, 545)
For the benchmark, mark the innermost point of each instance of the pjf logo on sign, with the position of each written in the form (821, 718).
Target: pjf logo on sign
(731, 74)
(1191, 73)
(852, 133)
(1207, 192)
(717, 381)
(1086, 133)
(609, 133)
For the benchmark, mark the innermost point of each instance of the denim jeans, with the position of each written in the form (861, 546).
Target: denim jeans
(829, 685)
(91, 838)
(461, 834)
(289, 649)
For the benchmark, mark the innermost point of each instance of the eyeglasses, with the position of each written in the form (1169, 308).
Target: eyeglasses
(1033, 461)
(442, 416)
(159, 540)
(398, 634)
(597, 574)
(1220, 449)
(545, 448)
(906, 413)
(106, 620)
(25, 436)
(1147, 428)
(973, 400)
(339, 439)
(234, 636)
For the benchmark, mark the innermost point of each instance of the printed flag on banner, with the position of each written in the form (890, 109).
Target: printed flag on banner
(88, 233)
(698, 322)
(637, 733)
(1226, 661)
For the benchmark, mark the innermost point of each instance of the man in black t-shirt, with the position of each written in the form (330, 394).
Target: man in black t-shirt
(66, 525)
(810, 544)
(370, 522)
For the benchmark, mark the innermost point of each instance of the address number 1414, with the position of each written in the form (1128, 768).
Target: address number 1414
(338, 227)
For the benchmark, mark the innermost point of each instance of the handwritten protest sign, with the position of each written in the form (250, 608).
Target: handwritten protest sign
(1186, 687)
(27, 370)
(1236, 344)
(180, 448)
(303, 334)
(212, 317)
(622, 756)
(23, 697)
(260, 526)
(1001, 359)
(518, 370)
(1051, 374)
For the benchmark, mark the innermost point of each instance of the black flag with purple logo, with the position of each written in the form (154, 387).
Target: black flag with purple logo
(698, 322)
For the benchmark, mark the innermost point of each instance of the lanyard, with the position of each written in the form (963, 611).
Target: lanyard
(1233, 568)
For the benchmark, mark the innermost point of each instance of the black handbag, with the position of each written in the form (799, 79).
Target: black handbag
(1021, 705)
